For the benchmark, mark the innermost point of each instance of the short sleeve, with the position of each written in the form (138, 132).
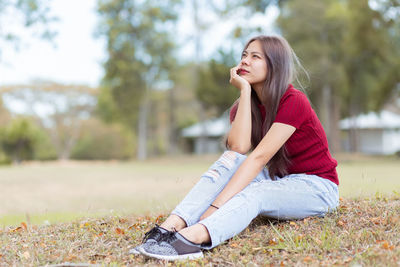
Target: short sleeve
(294, 109)
(232, 112)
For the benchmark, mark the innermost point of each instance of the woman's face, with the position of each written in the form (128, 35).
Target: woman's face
(253, 66)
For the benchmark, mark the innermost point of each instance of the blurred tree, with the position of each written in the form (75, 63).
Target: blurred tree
(214, 90)
(5, 115)
(139, 47)
(100, 141)
(18, 139)
(59, 109)
(316, 31)
(204, 81)
(349, 50)
(32, 14)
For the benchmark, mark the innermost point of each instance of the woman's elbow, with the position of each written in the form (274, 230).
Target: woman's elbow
(241, 149)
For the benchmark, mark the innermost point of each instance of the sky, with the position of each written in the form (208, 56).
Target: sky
(75, 56)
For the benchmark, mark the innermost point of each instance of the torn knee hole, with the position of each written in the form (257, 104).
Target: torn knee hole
(213, 174)
(228, 159)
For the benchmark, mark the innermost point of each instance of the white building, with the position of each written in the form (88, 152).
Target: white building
(377, 133)
(213, 131)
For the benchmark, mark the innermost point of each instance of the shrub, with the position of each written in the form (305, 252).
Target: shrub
(18, 139)
(100, 141)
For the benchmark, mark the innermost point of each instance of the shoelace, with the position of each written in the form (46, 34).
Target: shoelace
(153, 233)
(168, 237)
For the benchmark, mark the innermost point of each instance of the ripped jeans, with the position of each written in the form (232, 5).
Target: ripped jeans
(295, 196)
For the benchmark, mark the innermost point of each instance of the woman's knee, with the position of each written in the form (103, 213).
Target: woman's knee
(226, 165)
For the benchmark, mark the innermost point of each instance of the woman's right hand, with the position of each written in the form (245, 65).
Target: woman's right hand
(238, 81)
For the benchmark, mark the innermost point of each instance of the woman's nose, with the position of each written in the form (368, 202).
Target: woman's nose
(245, 61)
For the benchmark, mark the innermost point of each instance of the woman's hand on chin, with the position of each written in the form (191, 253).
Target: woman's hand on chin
(238, 81)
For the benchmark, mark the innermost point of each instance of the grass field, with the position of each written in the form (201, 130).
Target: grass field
(62, 191)
(117, 202)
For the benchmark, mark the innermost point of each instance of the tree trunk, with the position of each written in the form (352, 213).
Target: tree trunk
(335, 142)
(142, 127)
(203, 130)
(173, 133)
(324, 109)
(198, 48)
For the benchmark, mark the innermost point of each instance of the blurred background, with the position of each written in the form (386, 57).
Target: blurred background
(132, 80)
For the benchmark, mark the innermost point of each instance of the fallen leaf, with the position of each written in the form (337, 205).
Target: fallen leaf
(272, 242)
(377, 220)
(340, 223)
(123, 220)
(23, 225)
(318, 241)
(19, 228)
(119, 231)
(394, 219)
(299, 237)
(385, 245)
(307, 259)
(158, 219)
(26, 255)
(347, 260)
(136, 226)
(1, 256)
(234, 245)
(282, 264)
(70, 258)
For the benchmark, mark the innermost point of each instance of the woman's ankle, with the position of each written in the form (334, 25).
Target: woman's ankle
(197, 234)
(173, 223)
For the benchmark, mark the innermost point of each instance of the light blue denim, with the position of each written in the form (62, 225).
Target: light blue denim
(295, 196)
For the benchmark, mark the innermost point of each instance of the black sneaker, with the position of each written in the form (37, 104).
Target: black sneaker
(173, 246)
(151, 237)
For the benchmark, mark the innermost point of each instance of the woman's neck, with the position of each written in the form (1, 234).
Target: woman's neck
(258, 89)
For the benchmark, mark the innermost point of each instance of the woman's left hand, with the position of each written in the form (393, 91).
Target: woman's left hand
(208, 212)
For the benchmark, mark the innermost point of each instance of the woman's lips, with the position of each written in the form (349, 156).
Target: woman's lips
(242, 71)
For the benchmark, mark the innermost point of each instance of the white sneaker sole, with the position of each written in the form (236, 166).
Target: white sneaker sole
(174, 257)
(134, 251)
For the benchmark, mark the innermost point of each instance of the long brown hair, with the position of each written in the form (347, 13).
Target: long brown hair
(279, 57)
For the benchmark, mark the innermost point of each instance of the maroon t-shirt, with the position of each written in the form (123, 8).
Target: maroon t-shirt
(308, 146)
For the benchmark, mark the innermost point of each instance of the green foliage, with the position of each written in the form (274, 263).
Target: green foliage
(139, 48)
(19, 139)
(34, 15)
(99, 141)
(213, 89)
(347, 46)
(44, 148)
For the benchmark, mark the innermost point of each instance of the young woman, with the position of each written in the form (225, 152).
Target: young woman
(288, 173)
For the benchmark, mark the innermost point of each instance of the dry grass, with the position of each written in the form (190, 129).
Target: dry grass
(363, 231)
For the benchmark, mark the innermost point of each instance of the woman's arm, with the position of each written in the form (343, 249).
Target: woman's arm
(275, 138)
(239, 136)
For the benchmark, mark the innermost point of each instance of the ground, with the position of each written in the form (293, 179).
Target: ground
(364, 231)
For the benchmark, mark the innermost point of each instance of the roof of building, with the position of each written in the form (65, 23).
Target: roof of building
(212, 128)
(382, 120)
